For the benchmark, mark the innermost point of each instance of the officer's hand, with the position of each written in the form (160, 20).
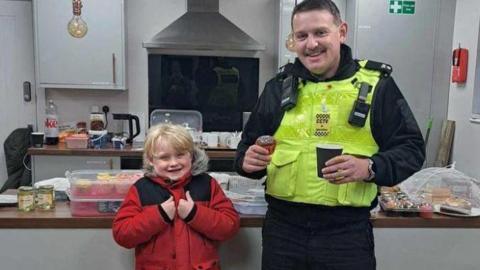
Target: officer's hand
(169, 207)
(345, 168)
(256, 159)
(185, 206)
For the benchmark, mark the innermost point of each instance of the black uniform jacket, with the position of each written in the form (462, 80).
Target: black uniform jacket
(394, 128)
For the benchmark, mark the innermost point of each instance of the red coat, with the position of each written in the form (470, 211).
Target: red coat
(160, 244)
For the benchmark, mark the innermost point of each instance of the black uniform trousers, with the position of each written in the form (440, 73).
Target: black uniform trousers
(300, 236)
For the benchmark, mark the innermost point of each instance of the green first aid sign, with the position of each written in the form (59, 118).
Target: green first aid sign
(401, 7)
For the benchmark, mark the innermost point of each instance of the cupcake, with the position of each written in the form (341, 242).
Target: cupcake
(82, 187)
(103, 187)
(267, 142)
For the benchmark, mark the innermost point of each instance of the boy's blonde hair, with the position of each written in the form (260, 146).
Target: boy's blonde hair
(180, 140)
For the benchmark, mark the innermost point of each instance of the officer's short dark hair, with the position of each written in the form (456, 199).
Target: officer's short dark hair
(309, 5)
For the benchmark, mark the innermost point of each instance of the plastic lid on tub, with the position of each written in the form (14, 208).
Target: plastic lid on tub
(97, 132)
(191, 118)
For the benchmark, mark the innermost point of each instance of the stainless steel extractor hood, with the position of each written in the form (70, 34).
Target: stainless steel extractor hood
(202, 27)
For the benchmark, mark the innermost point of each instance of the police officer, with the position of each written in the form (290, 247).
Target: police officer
(325, 96)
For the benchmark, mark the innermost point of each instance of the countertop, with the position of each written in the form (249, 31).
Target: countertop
(60, 217)
(129, 151)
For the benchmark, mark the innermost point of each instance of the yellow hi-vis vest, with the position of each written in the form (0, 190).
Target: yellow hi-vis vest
(292, 172)
(224, 94)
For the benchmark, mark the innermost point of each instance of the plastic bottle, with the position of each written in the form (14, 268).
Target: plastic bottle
(51, 124)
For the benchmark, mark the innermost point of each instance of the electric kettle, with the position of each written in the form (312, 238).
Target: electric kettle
(130, 118)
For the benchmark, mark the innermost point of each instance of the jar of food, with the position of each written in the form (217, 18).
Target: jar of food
(45, 199)
(26, 199)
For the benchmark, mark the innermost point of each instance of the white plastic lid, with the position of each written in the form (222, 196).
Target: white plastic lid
(98, 132)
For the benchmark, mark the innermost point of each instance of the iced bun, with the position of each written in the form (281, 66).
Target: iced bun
(267, 142)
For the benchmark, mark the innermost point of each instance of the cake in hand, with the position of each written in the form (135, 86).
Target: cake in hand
(267, 142)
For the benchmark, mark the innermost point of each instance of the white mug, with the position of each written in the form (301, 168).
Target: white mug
(223, 137)
(211, 139)
(233, 141)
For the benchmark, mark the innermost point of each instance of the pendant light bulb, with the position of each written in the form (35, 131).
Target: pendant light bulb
(290, 43)
(77, 27)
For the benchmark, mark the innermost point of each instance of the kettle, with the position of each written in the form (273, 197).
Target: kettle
(130, 118)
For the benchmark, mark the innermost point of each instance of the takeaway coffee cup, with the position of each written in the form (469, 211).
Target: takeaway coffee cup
(324, 153)
(37, 139)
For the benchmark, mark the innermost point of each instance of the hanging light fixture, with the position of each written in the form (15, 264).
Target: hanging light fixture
(290, 41)
(77, 27)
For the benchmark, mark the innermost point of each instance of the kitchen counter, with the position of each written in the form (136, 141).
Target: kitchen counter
(441, 243)
(128, 151)
(61, 218)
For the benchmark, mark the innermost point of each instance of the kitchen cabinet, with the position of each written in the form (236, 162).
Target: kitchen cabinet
(96, 61)
(46, 167)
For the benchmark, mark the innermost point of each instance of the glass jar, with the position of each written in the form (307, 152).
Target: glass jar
(45, 199)
(26, 199)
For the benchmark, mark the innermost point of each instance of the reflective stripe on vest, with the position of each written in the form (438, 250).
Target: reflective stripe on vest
(292, 173)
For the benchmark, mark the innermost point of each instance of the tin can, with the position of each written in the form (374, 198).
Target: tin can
(26, 199)
(45, 198)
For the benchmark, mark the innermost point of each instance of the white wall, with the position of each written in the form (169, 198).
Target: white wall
(145, 18)
(466, 147)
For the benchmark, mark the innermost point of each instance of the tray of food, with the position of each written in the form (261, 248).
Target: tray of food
(457, 207)
(398, 203)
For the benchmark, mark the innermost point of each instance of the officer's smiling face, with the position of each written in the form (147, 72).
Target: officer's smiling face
(317, 41)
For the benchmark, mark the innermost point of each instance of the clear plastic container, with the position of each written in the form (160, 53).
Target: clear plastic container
(250, 208)
(77, 141)
(94, 207)
(240, 184)
(101, 184)
(189, 118)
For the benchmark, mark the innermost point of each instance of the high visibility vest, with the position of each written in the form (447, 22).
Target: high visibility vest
(224, 94)
(321, 116)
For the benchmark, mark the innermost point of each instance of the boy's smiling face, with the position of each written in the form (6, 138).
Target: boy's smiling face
(168, 163)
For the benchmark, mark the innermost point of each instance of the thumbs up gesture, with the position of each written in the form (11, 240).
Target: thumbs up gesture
(169, 207)
(185, 206)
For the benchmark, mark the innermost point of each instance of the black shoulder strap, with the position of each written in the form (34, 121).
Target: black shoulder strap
(284, 71)
(385, 69)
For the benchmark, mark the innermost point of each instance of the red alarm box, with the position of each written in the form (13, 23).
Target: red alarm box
(459, 65)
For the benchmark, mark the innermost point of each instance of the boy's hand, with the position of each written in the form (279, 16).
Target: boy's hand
(169, 207)
(185, 206)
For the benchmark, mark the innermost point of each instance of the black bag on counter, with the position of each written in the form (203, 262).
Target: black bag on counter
(17, 161)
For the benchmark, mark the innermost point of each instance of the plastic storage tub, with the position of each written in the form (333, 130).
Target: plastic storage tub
(99, 192)
(250, 208)
(94, 207)
(101, 184)
(240, 184)
(190, 118)
(76, 141)
(247, 195)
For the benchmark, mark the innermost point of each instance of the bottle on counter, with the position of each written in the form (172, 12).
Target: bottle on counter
(51, 124)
